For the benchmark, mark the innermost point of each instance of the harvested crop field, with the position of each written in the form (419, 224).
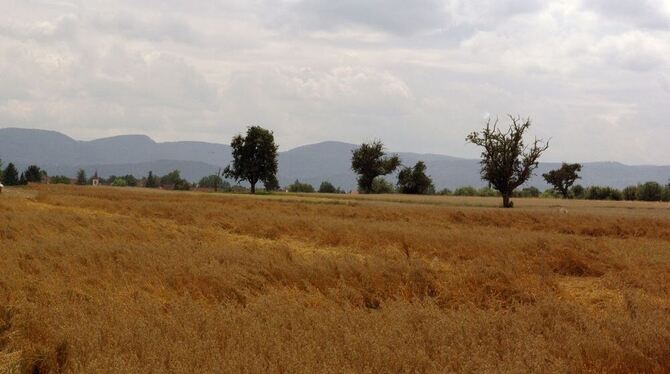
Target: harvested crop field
(136, 280)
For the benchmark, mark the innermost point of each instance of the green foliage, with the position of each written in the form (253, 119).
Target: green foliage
(22, 180)
(151, 180)
(465, 191)
(211, 181)
(381, 185)
(300, 187)
(11, 176)
(549, 193)
(271, 184)
(650, 191)
(445, 192)
(33, 174)
(563, 178)
(369, 161)
(506, 161)
(174, 180)
(487, 192)
(577, 191)
(254, 157)
(119, 182)
(529, 192)
(81, 177)
(603, 193)
(59, 179)
(415, 181)
(327, 187)
(629, 193)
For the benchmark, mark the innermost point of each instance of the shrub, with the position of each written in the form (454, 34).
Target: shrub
(327, 187)
(487, 192)
(119, 182)
(629, 193)
(465, 191)
(300, 187)
(603, 193)
(381, 185)
(577, 191)
(528, 192)
(650, 191)
(59, 179)
(445, 192)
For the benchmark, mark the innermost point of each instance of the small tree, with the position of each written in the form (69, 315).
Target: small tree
(630, 193)
(81, 177)
(119, 182)
(650, 191)
(577, 191)
(327, 187)
(507, 162)
(369, 162)
(152, 180)
(211, 181)
(33, 174)
(11, 176)
(297, 186)
(414, 180)
(254, 157)
(563, 178)
(59, 179)
(381, 185)
(271, 184)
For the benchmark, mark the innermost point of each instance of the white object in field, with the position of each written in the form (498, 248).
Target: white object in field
(563, 211)
(1, 187)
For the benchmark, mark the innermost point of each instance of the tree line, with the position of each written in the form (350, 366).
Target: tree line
(507, 162)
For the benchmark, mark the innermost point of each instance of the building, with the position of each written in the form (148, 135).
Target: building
(95, 180)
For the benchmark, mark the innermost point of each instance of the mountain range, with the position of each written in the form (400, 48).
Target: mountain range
(138, 154)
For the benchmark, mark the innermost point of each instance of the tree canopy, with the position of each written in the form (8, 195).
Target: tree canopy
(413, 180)
(369, 161)
(10, 177)
(563, 178)
(254, 157)
(507, 162)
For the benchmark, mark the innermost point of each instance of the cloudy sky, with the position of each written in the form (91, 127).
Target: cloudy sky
(594, 75)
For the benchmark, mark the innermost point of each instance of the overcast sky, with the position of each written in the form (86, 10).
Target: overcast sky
(594, 75)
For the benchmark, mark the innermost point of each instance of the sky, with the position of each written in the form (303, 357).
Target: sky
(593, 75)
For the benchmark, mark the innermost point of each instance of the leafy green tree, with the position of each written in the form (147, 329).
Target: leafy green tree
(10, 176)
(381, 185)
(81, 177)
(59, 179)
(271, 184)
(297, 186)
(152, 180)
(33, 174)
(327, 187)
(563, 178)
(507, 162)
(369, 161)
(254, 157)
(415, 181)
(119, 182)
(650, 191)
(630, 193)
(465, 191)
(173, 179)
(211, 181)
(577, 191)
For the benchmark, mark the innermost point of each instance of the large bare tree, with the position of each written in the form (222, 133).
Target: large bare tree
(507, 162)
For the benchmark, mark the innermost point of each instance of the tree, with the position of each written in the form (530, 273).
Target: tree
(369, 162)
(119, 182)
(11, 176)
(22, 180)
(211, 181)
(414, 180)
(173, 179)
(152, 180)
(327, 187)
(59, 179)
(81, 177)
(254, 157)
(630, 193)
(271, 184)
(506, 161)
(33, 174)
(650, 191)
(297, 186)
(381, 185)
(563, 178)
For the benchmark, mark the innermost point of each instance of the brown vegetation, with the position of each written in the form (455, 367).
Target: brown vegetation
(125, 280)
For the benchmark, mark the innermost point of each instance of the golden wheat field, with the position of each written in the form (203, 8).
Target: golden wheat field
(140, 281)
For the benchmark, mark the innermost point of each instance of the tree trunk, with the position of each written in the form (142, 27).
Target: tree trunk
(253, 187)
(507, 203)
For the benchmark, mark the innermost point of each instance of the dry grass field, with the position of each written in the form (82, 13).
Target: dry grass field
(131, 280)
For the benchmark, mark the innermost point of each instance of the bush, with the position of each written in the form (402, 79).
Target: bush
(381, 185)
(465, 191)
(528, 192)
(487, 192)
(119, 182)
(603, 193)
(650, 191)
(549, 193)
(577, 191)
(445, 192)
(59, 179)
(300, 187)
(327, 187)
(629, 193)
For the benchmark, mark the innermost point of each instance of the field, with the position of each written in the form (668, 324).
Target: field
(134, 280)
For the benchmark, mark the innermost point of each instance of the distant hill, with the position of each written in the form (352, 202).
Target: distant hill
(314, 163)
